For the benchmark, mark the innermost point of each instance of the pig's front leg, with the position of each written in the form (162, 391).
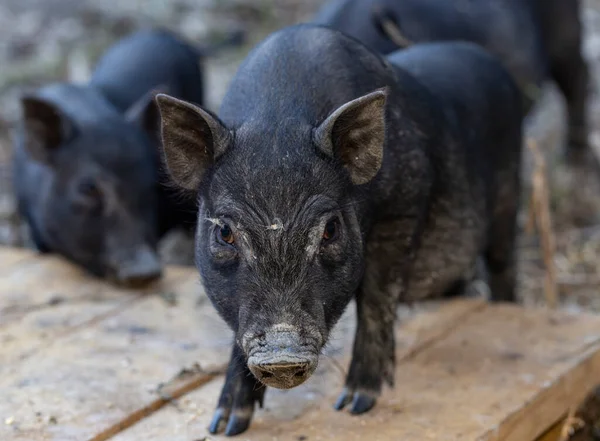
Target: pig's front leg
(238, 396)
(388, 257)
(373, 355)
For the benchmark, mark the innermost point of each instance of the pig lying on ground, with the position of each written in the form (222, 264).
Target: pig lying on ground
(87, 173)
(332, 174)
(537, 40)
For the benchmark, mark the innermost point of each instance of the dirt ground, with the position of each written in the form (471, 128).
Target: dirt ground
(50, 40)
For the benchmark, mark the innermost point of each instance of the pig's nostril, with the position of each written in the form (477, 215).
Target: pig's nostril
(281, 359)
(282, 375)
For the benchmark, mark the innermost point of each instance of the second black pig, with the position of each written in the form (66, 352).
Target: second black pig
(332, 174)
(537, 40)
(87, 174)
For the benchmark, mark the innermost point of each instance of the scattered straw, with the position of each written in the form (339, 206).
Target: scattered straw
(572, 424)
(539, 215)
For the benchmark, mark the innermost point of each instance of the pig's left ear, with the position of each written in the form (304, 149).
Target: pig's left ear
(192, 138)
(144, 112)
(46, 127)
(355, 135)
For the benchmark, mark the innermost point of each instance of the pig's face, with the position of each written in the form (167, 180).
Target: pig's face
(279, 242)
(280, 252)
(99, 207)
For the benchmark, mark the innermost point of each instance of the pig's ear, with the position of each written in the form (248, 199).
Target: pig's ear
(193, 139)
(144, 112)
(354, 134)
(46, 128)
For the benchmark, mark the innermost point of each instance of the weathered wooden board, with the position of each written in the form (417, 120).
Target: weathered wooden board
(79, 356)
(501, 374)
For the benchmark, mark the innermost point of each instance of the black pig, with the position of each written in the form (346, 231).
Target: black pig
(87, 173)
(332, 174)
(537, 40)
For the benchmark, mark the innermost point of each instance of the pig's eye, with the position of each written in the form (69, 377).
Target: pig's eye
(226, 235)
(331, 231)
(88, 188)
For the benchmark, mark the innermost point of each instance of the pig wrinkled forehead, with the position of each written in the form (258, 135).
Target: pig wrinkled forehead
(275, 168)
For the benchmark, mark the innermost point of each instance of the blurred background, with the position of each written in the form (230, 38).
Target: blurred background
(52, 40)
(43, 41)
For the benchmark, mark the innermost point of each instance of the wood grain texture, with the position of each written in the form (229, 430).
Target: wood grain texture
(93, 361)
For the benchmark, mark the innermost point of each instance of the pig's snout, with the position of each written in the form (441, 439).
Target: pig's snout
(282, 358)
(139, 268)
(283, 374)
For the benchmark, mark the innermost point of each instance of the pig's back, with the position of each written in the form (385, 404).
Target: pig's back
(146, 60)
(474, 164)
(509, 29)
(481, 103)
(477, 92)
(418, 20)
(354, 18)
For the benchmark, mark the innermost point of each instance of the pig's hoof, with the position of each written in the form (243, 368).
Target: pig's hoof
(237, 424)
(361, 401)
(233, 424)
(343, 400)
(218, 422)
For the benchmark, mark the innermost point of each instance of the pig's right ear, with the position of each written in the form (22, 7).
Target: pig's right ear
(193, 139)
(46, 128)
(354, 134)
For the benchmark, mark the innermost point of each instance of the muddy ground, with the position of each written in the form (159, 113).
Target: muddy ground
(50, 40)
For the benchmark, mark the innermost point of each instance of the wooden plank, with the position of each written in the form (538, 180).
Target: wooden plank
(12, 257)
(46, 297)
(531, 420)
(103, 373)
(35, 282)
(466, 370)
(499, 365)
(554, 433)
(98, 374)
(185, 382)
(580, 424)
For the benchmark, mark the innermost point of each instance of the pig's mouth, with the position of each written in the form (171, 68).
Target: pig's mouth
(135, 282)
(281, 358)
(283, 371)
(140, 268)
